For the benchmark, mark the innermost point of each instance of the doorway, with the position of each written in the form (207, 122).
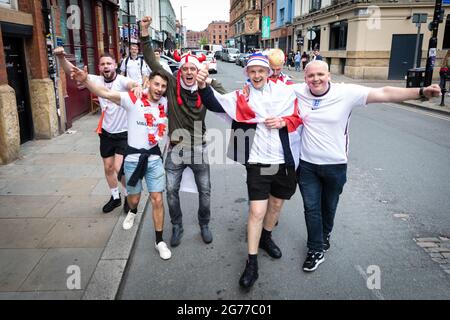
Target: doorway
(17, 79)
(402, 55)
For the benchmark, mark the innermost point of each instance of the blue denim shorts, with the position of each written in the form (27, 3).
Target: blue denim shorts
(154, 177)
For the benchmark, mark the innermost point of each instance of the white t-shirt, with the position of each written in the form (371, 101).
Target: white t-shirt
(134, 69)
(138, 130)
(115, 120)
(326, 120)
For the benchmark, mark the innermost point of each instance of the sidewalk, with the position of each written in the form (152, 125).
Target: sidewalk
(430, 105)
(51, 218)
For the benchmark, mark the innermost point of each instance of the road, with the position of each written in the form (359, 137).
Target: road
(397, 191)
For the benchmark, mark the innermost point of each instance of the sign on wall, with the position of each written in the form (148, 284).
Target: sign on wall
(265, 27)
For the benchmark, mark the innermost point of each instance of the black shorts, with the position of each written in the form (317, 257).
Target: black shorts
(277, 180)
(112, 143)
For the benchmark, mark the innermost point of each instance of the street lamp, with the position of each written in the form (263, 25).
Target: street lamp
(129, 24)
(181, 25)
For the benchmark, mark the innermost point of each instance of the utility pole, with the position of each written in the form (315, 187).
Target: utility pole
(432, 44)
(129, 26)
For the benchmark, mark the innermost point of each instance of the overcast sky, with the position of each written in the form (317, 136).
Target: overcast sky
(199, 13)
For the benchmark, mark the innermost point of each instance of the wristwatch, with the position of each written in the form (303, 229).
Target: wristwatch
(421, 93)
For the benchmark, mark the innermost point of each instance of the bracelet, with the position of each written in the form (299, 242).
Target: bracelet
(421, 93)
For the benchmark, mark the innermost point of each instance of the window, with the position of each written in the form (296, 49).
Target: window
(315, 5)
(338, 35)
(446, 43)
(282, 14)
(9, 4)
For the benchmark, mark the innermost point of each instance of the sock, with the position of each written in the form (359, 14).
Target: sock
(265, 234)
(115, 193)
(159, 237)
(124, 191)
(253, 258)
(133, 210)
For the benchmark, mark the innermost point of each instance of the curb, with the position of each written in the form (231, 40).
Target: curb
(436, 109)
(107, 277)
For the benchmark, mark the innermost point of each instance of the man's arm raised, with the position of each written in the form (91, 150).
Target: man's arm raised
(149, 54)
(65, 64)
(394, 94)
(99, 90)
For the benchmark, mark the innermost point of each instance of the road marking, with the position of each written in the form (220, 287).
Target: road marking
(376, 293)
(442, 117)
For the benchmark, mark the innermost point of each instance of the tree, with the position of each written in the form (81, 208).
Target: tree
(202, 41)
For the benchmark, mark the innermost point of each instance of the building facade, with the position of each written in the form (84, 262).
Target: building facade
(362, 40)
(217, 32)
(281, 13)
(193, 38)
(37, 101)
(168, 25)
(245, 24)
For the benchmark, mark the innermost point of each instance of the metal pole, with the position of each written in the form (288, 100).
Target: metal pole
(129, 28)
(417, 45)
(432, 45)
(181, 26)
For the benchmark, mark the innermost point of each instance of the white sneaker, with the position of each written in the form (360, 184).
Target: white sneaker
(129, 220)
(163, 250)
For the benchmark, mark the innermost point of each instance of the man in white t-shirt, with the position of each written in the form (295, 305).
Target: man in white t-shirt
(147, 125)
(325, 109)
(112, 127)
(134, 66)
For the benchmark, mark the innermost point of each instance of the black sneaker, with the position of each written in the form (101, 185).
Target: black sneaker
(126, 207)
(270, 247)
(177, 234)
(249, 276)
(326, 242)
(111, 205)
(313, 259)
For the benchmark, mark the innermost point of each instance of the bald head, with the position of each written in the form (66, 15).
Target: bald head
(317, 63)
(317, 77)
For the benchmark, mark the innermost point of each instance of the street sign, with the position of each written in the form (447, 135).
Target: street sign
(445, 1)
(125, 19)
(265, 27)
(311, 35)
(420, 17)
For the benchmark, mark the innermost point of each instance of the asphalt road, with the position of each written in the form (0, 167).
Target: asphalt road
(397, 190)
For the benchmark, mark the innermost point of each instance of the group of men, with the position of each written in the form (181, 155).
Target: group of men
(298, 134)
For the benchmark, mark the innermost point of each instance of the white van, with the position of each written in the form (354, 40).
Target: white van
(230, 54)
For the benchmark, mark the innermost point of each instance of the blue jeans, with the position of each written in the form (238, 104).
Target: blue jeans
(320, 186)
(174, 171)
(154, 177)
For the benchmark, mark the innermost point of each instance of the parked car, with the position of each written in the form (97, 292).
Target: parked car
(200, 52)
(242, 59)
(212, 64)
(230, 54)
(174, 66)
(218, 55)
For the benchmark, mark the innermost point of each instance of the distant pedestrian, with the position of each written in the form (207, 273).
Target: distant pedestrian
(317, 55)
(444, 71)
(297, 59)
(304, 60)
(134, 66)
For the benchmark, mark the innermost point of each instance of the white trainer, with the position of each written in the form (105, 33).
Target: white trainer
(163, 250)
(129, 220)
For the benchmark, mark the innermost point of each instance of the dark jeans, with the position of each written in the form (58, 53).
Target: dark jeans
(174, 171)
(320, 186)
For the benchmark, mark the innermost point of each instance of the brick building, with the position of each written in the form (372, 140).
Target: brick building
(36, 100)
(245, 23)
(217, 32)
(193, 38)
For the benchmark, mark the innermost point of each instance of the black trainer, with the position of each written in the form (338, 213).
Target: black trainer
(126, 207)
(111, 205)
(270, 247)
(326, 242)
(249, 276)
(313, 260)
(177, 233)
(206, 234)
